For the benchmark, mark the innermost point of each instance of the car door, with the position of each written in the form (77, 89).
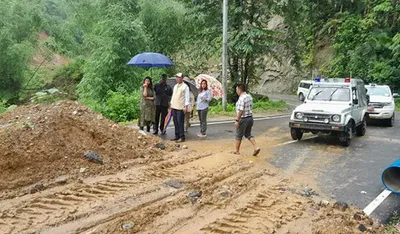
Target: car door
(356, 107)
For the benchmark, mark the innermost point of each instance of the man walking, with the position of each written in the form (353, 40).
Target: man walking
(244, 119)
(179, 103)
(163, 94)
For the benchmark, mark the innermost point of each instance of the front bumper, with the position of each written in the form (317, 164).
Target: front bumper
(380, 114)
(317, 126)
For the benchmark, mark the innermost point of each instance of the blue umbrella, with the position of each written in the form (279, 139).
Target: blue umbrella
(150, 59)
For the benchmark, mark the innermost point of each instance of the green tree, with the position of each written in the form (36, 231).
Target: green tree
(19, 20)
(115, 39)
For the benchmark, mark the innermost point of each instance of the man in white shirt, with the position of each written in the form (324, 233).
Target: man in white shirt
(179, 104)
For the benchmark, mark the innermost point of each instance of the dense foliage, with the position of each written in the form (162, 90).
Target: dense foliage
(102, 35)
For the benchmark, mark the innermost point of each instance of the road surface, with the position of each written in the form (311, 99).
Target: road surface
(352, 174)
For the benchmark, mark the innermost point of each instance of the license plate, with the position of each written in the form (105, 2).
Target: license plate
(297, 125)
(371, 108)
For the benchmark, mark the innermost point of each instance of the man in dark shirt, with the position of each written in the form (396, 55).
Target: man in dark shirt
(163, 96)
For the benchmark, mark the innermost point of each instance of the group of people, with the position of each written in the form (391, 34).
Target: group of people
(156, 101)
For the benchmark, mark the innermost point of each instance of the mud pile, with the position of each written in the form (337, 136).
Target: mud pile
(47, 141)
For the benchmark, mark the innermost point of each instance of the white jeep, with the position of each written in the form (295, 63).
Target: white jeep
(335, 106)
(381, 105)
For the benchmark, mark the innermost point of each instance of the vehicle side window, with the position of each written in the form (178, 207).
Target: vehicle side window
(307, 86)
(301, 85)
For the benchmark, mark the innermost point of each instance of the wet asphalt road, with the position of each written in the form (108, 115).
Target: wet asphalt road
(351, 174)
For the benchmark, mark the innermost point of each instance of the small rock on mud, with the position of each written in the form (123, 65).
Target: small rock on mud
(308, 192)
(324, 203)
(358, 216)
(160, 145)
(195, 194)
(93, 157)
(174, 184)
(127, 226)
(341, 206)
(225, 193)
(37, 187)
(184, 147)
(61, 180)
(362, 228)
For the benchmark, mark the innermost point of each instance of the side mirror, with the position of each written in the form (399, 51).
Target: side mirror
(367, 99)
(395, 95)
(355, 101)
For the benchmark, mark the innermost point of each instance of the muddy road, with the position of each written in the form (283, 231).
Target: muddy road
(197, 187)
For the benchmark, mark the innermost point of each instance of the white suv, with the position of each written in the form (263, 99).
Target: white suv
(334, 106)
(381, 105)
(303, 89)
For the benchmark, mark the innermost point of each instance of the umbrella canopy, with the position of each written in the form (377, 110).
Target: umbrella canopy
(213, 84)
(172, 82)
(150, 59)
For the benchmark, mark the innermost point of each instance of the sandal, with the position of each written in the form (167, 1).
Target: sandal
(256, 152)
(234, 152)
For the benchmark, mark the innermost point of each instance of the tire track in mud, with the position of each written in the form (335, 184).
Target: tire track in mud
(166, 214)
(50, 209)
(233, 172)
(266, 213)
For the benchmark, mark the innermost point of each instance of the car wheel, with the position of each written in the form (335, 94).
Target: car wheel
(390, 122)
(296, 134)
(345, 137)
(301, 97)
(362, 128)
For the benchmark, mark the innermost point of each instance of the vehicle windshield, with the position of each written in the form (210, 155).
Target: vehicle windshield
(378, 91)
(329, 94)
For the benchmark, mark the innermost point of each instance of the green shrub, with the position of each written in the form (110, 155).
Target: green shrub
(259, 97)
(262, 103)
(3, 107)
(122, 107)
(397, 102)
(269, 105)
(393, 222)
(218, 108)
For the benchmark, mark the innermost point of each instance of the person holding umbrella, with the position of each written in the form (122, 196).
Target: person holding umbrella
(147, 108)
(163, 93)
(179, 104)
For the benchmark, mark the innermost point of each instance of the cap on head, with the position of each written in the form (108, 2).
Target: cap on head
(179, 75)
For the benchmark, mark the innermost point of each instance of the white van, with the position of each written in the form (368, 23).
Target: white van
(381, 105)
(303, 89)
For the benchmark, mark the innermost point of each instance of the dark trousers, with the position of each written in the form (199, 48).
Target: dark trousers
(203, 120)
(179, 123)
(159, 123)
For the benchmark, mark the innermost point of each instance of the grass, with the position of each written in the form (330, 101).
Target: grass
(391, 226)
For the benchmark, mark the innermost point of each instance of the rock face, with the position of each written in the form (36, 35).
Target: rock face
(279, 76)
